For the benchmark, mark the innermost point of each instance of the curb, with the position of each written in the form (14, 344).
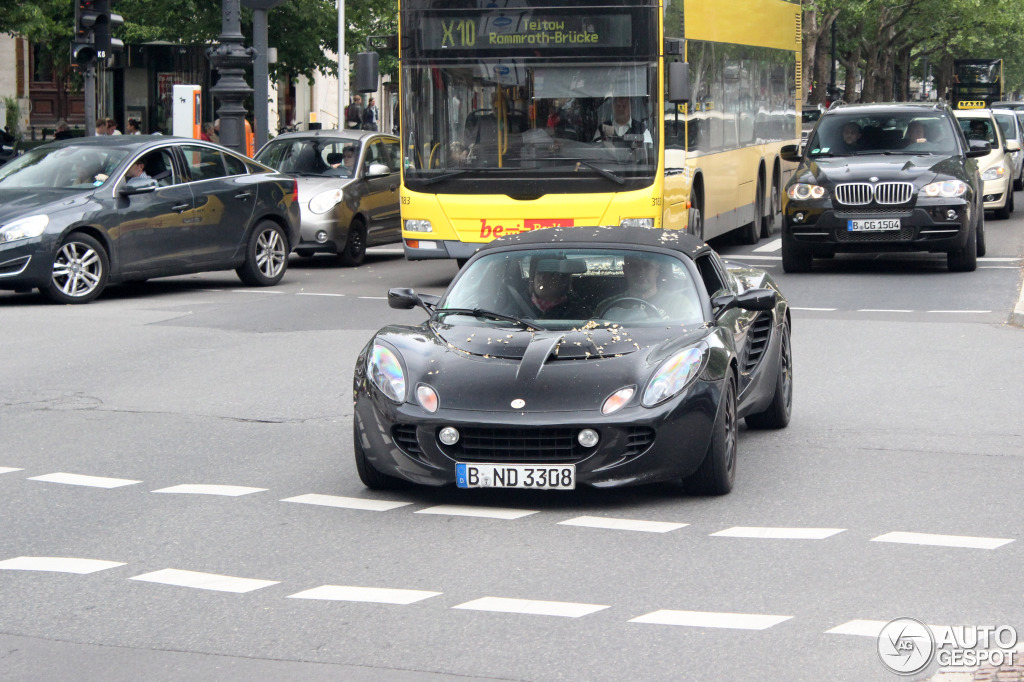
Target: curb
(1017, 316)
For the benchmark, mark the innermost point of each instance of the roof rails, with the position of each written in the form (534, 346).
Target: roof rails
(836, 104)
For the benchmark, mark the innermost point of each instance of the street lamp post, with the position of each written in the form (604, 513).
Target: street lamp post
(230, 59)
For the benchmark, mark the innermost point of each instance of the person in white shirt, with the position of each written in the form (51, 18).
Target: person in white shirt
(621, 124)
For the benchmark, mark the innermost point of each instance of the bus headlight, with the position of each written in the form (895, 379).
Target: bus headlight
(637, 222)
(418, 226)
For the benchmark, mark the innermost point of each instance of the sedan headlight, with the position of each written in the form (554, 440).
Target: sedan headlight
(803, 191)
(24, 228)
(995, 172)
(325, 201)
(386, 373)
(673, 376)
(947, 188)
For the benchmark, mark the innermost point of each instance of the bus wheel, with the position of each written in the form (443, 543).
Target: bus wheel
(749, 233)
(768, 221)
(695, 220)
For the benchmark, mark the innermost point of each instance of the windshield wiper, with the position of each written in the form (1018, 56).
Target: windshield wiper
(443, 176)
(480, 312)
(606, 173)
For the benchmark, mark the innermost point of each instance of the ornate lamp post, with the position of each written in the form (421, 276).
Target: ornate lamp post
(230, 59)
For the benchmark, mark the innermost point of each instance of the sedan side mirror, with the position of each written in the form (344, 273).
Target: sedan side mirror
(978, 148)
(139, 186)
(377, 170)
(790, 152)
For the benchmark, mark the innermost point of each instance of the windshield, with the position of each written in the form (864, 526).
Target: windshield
(810, 115)
(1008, 125)
(979, 129)
(312, 156)
(72, 167)
(888, 133)
(568, 288)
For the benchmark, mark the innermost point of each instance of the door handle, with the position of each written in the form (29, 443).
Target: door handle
(181, 208)
(243, 195)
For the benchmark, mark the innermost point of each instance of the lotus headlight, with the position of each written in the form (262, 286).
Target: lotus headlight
(325, 201)
(24, 228)
(995, 172)
(386, 373)
(803, 191)
(947, 188)
(673, 376)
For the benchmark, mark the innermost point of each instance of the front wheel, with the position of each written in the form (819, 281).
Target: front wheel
(981, 234)
(965, 259)
(80, 270)
(266, 256)
(718, 470)
(355, 245)
(1004, 212)
(368, 474)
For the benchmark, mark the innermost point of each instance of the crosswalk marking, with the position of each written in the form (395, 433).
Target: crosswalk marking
(531, 607)
(942, 540)
(207, 489)
(376, 595)
(7, 470)
(203, 581)
(778, 533)
(482, 512)
(79, 479)
(859, 628)
(770, 247)
(709, 619)
(622, 524)
(347, 502)
(57, 564)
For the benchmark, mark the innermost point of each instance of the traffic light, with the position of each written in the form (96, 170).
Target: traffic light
(106, 22)
(83, 49)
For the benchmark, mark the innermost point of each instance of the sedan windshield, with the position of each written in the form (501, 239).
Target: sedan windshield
(312, 157)
(72, 167)
(886, 133)
(573, 288)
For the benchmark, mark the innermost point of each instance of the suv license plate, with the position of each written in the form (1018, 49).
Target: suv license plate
(878, 225)
(534, 476)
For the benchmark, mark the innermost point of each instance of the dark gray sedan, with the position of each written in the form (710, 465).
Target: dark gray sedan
(80, 214)
(348, 189)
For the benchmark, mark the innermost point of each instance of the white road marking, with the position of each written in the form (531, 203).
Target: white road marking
(778, 533)
(57, 564)
(203, 581)
(873, 628)
(770, 247)
(346, 502)
(988, 259)
(709, 619)
(79, 479)
(7, 470)
(623, 524)
(942, 540)
(386, 251)
(819, 310)
(310, 293)
(955, 312)
(532, 607)
(257, 291)
(376, 595)
(882, 310)
(207, 489)
(998, 267)
(483, 512)
(373, 298)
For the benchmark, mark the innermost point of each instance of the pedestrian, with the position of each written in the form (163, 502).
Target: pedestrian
(133, 127)
(206, 132)
(371, 115)
(112, 127)
(354, 113)
(216, 131)
(101, 126)
(62, 131)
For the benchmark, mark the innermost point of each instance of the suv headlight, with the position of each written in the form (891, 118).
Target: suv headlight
(386, 373)
(946, 188)
(24, 228)
(673, 376)
(325, 201)
(995, 172)
(803, 191)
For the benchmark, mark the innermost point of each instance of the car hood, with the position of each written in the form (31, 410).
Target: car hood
(919, 169)
(473, 368)
(18, 203)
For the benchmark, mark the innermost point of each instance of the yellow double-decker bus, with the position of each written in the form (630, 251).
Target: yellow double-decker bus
(524, 114)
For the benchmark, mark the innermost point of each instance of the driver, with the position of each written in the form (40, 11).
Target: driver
(648, 292)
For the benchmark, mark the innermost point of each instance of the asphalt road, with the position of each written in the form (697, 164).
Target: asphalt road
(907, 420)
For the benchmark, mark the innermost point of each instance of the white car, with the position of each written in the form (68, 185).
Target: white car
(997, 168)
(1010, 124)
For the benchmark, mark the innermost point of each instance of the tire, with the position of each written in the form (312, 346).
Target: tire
(748, 234)
(774, 201)
(1004, 212)
(717, 472)
(1018, 184)
(80, 270)
(981, 234)
(266, 256)
(776, 415)
(355, 245)
(794, 259)
(965, 259)
(368, 474)
(695, 219)
(1011, 202)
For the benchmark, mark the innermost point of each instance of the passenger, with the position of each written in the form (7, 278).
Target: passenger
(852, 136)
(551, 291)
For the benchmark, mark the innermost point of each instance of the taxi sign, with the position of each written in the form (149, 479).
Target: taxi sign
(971, 104)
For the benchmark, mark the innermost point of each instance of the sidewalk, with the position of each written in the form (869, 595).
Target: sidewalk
(985, 673)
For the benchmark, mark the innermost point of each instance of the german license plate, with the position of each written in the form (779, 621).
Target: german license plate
(534, 476)
(875, 225)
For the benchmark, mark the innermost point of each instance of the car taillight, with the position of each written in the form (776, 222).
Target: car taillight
(295, 190)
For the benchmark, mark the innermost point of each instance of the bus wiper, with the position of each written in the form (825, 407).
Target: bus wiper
(480, 312)
(606, 173)
(443, 176)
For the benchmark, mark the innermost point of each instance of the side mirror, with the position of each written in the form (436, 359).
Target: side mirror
(377, 170)
(753, 299)
(367, 71)
(406, 299)
(139, 186)
(678, 82)
(978, 148)
(1012, 146)
(790, 152)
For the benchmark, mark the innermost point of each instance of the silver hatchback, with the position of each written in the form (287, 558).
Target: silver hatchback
(348, 189)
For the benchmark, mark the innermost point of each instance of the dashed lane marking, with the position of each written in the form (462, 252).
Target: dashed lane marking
(204, 581)
(708, 619)
(310, 293)
(256, 291)
(375, 595)
(79, 479)
(955, 312)
(778, 533)
(770, 247)
(883, 310)
(816, 310)
(482, 512)
(206, 489)
(859, 628)
(623, 524)
(347, 502)
(7, 470)
(942, 540)
(531, 607)
(57, 564)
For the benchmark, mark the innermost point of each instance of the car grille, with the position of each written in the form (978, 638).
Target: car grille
(884, 211)
(863, 193)
(902, 235)
(558, 444)
(404, 436)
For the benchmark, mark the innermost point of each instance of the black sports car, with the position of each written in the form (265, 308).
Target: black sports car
(576, 356)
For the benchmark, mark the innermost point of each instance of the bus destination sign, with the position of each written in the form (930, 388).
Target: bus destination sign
(530, 31)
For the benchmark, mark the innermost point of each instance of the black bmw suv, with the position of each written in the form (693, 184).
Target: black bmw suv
(884, 177)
